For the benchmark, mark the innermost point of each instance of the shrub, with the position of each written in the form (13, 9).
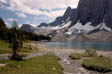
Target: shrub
(75, 56)
(100, 64)
(90, 53)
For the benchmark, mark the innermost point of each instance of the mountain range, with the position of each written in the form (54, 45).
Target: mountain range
(91, 20)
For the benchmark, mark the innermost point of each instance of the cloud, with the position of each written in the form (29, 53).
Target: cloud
(50, 4)
(21, 15)
(18, 5)
(3, 1)
(50, 9)
(54, 14)
(33, 6)
(12, 19)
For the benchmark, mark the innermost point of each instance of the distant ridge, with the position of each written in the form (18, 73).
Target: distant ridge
(27, 28)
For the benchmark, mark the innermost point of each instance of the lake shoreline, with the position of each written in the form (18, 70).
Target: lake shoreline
(46, 48)
(80, 45)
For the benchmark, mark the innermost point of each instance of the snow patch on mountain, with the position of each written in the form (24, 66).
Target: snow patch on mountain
(78, 27)
(66, 25)
(61, 26)
(103, 26)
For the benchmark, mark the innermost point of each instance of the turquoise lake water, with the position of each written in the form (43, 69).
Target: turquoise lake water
(80, 45)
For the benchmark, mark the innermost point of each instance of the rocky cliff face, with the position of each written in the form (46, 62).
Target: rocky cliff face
(95, 11)
(90, 17)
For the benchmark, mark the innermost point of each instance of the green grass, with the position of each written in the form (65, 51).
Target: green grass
(101, 64)
(89, 53)
(4, 48)
(3, 51)
(47, 64)
(25, 50)
(75, 56)
(3, 44)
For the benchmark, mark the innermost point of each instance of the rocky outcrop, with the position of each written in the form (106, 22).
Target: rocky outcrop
(95, 11)
(60, 36)
(43, 25)
(27, 28)
(98, 36)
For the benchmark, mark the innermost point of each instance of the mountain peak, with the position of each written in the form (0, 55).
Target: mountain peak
(67, 12)
(27, 28)
(69, 8)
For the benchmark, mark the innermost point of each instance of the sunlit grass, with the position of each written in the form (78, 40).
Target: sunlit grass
(47, 64)
(102, 64)
(75, 56)
(4, 48)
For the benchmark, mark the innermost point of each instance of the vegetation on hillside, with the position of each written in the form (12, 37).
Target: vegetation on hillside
(5, 33)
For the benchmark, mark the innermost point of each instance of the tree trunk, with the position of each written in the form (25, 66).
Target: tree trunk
(15, 56)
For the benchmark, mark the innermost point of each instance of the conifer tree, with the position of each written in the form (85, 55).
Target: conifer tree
(15, 40)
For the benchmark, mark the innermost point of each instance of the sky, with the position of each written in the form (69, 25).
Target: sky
(33, 12)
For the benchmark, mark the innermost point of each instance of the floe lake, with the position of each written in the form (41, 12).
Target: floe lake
(106, 46)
